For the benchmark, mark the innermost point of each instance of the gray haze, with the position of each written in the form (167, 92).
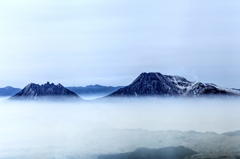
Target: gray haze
(111, 42)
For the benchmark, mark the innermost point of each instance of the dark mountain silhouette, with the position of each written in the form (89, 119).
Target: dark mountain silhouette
(9, 91)
(156, 84)
(46, 91)
(145, 153)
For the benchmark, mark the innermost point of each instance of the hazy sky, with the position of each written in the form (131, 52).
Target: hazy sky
(110, 42)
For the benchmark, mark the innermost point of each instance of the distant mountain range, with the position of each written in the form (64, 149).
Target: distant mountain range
(151, 84)
(235, 133)
(94, 90)
(81, 91)
(36, 92)
(9, 91)
(157, 84)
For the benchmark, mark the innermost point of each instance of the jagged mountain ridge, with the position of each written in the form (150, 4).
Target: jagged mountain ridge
(156, 84)
(45, 91)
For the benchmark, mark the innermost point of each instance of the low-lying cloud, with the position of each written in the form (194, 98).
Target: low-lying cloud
(61, 129)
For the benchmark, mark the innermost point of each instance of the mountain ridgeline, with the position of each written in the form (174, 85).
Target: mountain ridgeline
(9, 91)
(156, 84)
(145, 85)
(161, 153)
(36, 92)
(94, 90)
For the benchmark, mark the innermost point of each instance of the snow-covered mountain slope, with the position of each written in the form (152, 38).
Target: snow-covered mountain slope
(45, 92)
(156, 84)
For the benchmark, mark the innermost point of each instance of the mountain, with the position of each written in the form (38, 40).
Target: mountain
(36, 92)
(235, 133)
(9, 91)
(179, 152)
(94, 90)
(157, 84)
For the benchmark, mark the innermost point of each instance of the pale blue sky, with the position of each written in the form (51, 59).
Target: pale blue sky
(83, 42)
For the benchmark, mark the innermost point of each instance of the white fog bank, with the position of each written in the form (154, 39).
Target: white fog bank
(90, 128)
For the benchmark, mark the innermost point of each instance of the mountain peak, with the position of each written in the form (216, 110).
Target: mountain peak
(45, 91)
(8, 87)
(148, 84)
(48, 84)
(157, 84)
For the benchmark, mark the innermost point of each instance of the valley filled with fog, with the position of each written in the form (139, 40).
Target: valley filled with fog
(91, 128)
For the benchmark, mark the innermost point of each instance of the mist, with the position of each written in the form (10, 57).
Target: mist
(87, 129)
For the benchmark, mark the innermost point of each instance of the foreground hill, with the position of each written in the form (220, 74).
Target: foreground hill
(156, 84)
(179, 152)
(36, 92)
(208, 145)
